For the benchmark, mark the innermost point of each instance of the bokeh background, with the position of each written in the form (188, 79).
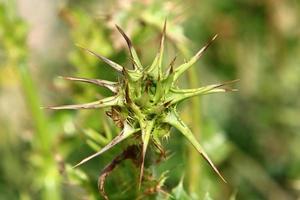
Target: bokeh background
(252, 135)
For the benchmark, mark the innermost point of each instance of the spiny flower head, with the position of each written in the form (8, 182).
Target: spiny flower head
(145, 99)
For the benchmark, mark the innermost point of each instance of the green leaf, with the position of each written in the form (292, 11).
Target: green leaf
(114, 65)
(125, 133)
(182, 68)
(93, 145)
(113, 86)
(173, 119)
(155, 68)
(177, 95)
(106, 102)
(233, 195)
(178, 193)
(95, 136)
(76, 176)
(146, 128)
(133, 54)
(207, 196)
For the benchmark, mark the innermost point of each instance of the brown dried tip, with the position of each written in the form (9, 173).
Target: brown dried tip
(163, 36)
(227, 83)
(200, 52)
(114, 65)
(128, 41)
(171, 65)
(137, 63)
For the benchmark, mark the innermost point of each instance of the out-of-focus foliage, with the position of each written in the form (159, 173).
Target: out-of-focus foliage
(39, 162)
(252, 135)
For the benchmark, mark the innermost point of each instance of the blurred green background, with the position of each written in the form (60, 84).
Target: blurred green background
(252, 135)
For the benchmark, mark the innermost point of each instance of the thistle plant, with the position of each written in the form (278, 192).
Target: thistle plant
(145, 101)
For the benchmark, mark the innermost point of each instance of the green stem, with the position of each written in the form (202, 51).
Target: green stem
(193, 169)
(42, 139)
(42, 142)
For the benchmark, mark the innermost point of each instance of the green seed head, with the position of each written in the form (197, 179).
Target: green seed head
(145, 100)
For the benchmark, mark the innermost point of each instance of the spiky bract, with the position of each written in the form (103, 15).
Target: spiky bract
(145, 100)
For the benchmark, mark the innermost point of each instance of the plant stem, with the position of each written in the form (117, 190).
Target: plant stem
(194, 169)
(42, 142)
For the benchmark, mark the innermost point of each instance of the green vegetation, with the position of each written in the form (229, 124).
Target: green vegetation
(250, 135)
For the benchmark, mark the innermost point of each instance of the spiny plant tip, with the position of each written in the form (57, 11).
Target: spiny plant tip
(145, 99)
